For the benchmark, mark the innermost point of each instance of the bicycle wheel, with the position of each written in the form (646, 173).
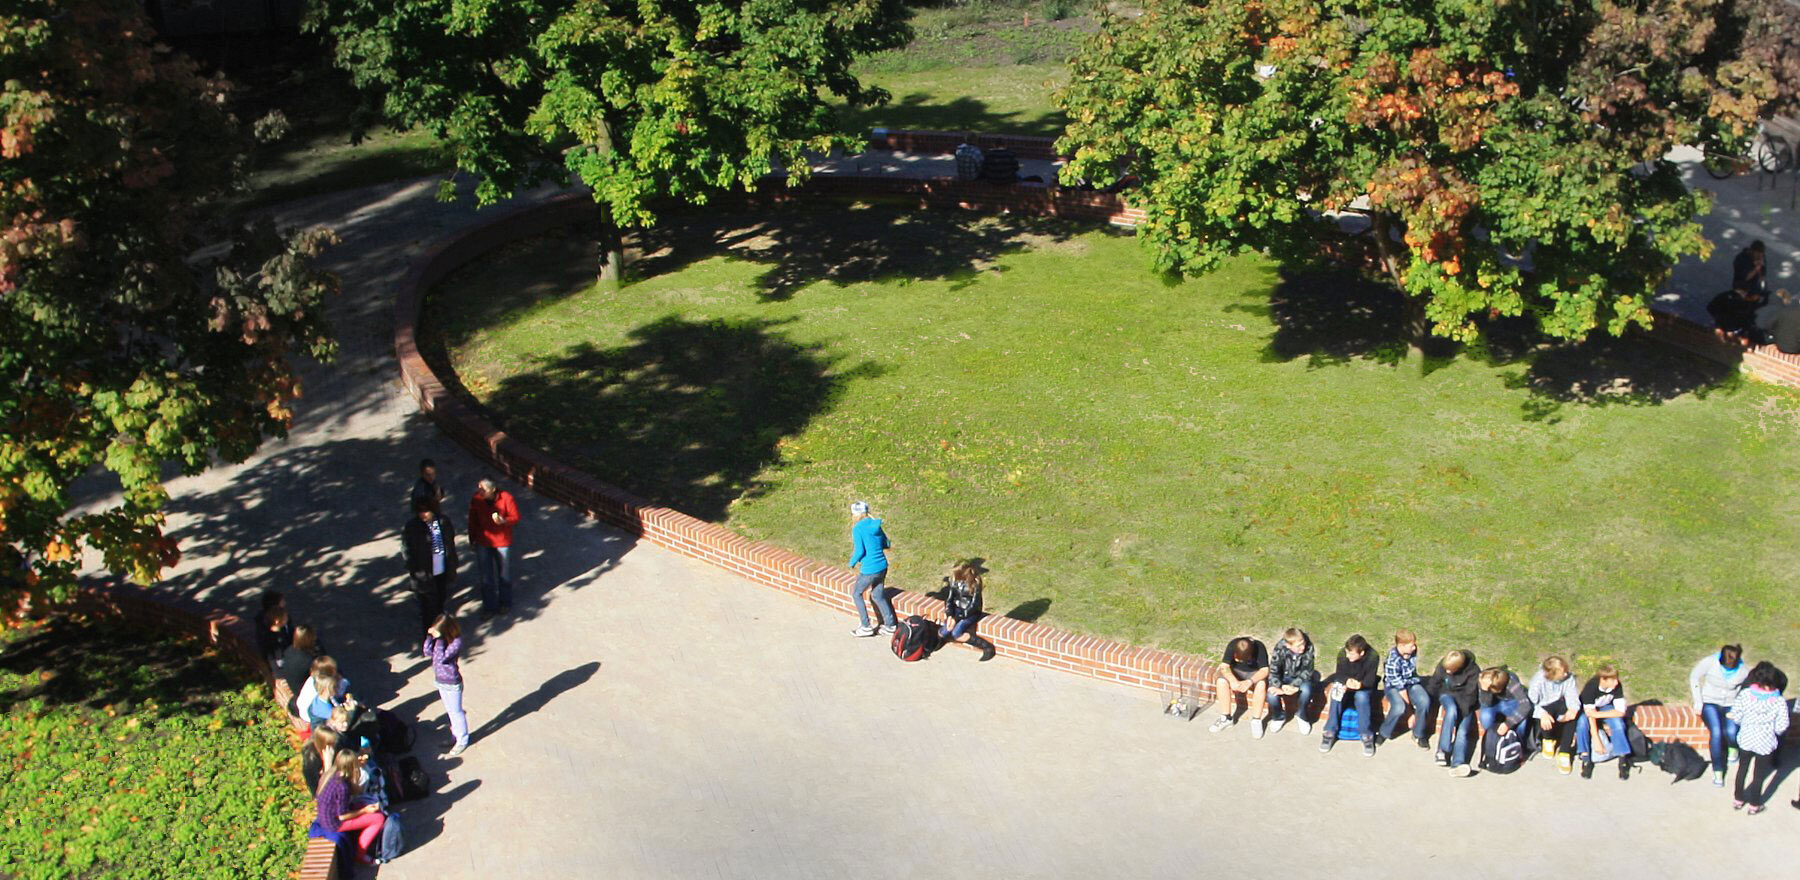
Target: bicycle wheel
(1720, 166)
(1772, 154)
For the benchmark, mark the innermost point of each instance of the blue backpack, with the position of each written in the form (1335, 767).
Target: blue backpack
(393, 839)
(1347, 720)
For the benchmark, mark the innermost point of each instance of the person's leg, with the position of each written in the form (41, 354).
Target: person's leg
(1334, 711)
(484, 578)
(368, 830)
(1258, 699)
(1621, 744)
(856, 596)
(1390, 719)
(1447, 731)
(459, 722)
(1489, 716)
(1583, 745)
(878, 592)
(1760, 774)
(1276, 712)
(503, 576)
(1738, 791)
(1465, 740)
(1302, 699)
(1365, 707)
(1714, 717)
(1421, 709)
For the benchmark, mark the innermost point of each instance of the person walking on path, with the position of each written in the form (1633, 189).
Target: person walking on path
(430, 542)
(1715, 682)
(868, 558)
(1762, 717)
(443, 645)
(426, 486)
(492, 515)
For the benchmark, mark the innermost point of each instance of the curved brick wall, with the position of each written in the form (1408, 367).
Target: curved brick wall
(1165, 672)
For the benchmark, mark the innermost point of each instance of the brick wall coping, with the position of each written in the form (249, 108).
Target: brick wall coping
(1165, 672)
(228, 632)
(909, 140)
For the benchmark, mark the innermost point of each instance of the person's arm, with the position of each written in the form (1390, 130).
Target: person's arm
(1308, 667)
(1694, 679)
(1521, 703)
(509, 509)
(1781, 720)
(452, 650)
(856, 548)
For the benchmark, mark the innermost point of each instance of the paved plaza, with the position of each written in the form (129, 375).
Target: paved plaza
(644, 715)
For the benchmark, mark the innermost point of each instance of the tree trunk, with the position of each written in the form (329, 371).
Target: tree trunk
(609, 240)
(1418, 326)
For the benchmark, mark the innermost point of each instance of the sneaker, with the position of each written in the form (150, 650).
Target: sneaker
(1256, 728)
(1368, 748)
(457, 750)
(863, 632)
(1441, 759)
(1731, 755)
(1276, 725)
(1461, 771)
(1587, 769)
(1380, 739)
(1304, 725)
(1754, 810)
(887, 629)
(1326, 744)
(1565, 763)
(1422, 741)
(1718, 779)
(1624, 769)
(1223, 722)
(1549, 749)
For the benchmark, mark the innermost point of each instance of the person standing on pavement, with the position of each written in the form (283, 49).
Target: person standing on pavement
(430, 544)
(427, 485)
(443, 645)
(1762, 717)
(492, 515)
(868, 558)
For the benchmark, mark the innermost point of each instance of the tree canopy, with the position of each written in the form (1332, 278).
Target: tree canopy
(135, 330)
(1509, 153)
(642, 100)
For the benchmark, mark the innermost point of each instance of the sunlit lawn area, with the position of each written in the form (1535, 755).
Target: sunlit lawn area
(1163, 463)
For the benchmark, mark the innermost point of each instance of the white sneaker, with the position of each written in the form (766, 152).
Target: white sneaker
(1304, 725)
(887, 629)
(863, 632)
(1275, 726)
(1222, 722)
(1256, 728)
(1461, 771)
(455, 751)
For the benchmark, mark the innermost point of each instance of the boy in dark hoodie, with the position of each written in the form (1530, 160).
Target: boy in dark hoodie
(1453, 687)
(1504, 701)
(1357, 679)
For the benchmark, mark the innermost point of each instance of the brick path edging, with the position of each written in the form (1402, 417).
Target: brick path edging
(1153, 669)
(228, 632)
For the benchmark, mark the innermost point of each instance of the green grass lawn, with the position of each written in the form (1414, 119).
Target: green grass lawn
(1168, 464)
(128, 754)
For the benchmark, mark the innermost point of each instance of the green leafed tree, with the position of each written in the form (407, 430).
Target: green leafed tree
(1509, 153)
(645, 101)
(135, 330)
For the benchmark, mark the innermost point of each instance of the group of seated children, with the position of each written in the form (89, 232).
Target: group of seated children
(1742, 707)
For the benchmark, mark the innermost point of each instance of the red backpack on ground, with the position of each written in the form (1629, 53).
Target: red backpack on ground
(915, 638)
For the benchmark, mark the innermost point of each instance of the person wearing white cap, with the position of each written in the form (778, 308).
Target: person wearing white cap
(868, 558)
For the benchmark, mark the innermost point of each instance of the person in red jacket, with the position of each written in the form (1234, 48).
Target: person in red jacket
(492, 515)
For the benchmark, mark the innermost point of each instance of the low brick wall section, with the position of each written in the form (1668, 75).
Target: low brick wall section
(945, 142)
(1165, 672)
(231, 634)
(1765, 362)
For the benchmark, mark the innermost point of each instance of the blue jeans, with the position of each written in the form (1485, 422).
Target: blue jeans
(1361, 699)
(1721, 732)
(1492, 715)
(958, 630)
(1421, 706)
(492, 565)
(1301, 698)
(459, 722)
(1457, 735)
(1615, 728)
(872, 582)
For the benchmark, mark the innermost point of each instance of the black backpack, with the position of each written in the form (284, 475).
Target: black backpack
(1502, 753)
(1678, 759)
(406, 780)
(915, 638)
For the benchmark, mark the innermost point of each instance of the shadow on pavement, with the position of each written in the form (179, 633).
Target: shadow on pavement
(557, 685)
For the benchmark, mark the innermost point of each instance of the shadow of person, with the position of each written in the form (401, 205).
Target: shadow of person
(555, 686)
(1029, 611)
(421, 821)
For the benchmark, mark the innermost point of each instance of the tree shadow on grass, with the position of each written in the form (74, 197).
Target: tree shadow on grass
(1332, 318)
(687, 412)
(97, 664)
(919, 110)
(804, 243)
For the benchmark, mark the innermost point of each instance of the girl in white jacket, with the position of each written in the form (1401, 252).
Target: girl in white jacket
(1715, 683)
(1762, 717)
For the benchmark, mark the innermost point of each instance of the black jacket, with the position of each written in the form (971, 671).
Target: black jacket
(1287, 667)
(1513, 691)
(416, 537)
(1463, 686)
(1365, 671)
(961, 601)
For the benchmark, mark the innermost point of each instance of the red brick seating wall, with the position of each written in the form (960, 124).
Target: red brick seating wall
(228, 632)
(1161, 671)
(946, 142)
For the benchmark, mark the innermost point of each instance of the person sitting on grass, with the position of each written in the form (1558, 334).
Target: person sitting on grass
(1556, 706)
(1454, 687)
(1603, 705)
(1761, 714)
(1401, 684)
(962, 608)
(1715, 682)
(337, 819)
(1243, 682)
(1504, 703)
(1356, 678)
(1291, 673)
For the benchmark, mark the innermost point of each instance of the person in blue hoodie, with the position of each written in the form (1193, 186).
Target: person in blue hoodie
(868, 558)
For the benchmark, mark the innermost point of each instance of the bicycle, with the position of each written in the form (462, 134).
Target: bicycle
(1768, 152)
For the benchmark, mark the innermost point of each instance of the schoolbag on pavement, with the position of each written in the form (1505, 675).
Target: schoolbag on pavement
(1503, 753)
(1678, 759)
(1348, 719)
(914, 638)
